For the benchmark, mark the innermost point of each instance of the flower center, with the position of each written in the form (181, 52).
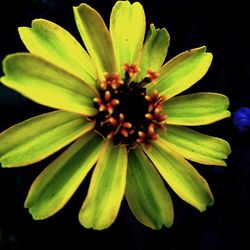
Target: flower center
(127, 114)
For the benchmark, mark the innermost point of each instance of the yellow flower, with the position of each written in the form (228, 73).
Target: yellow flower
(118, 106)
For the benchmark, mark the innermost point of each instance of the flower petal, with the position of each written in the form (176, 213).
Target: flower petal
(182, 72)
(196, 146)
(146, 193)
(96, 38)
(106, 189)
(57, 183)
(36, 138)
(154, 51)
(47, 84)
(196, 109)
(127, 28)
(180, 175)
(50, 41)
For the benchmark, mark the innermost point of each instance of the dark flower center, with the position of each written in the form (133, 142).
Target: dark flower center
(127, 115)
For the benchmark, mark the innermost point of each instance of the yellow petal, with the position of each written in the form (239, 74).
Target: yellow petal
(107, 188)
(96, 38)
(180, 175)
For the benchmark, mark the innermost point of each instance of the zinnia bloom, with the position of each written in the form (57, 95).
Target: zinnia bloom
(118, 108)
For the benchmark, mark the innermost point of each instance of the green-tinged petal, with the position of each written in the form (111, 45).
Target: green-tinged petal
(146, 193)
(196, 146)
(47, 84)
(106, 189)
(182, 72)
(57, 183)
(36, 138)
(180, 175)
(50, 41)
(196, 109)
(96, 38)
(127, 28)
(154, 51)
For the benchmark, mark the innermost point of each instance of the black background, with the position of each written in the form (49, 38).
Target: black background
(223, 27)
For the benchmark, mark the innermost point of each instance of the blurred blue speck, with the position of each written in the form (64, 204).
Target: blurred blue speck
(241, 119)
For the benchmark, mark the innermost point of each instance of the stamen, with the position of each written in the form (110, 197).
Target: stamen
(141, 138)
(148, 98)
(124, 132)
(162, 99)
(113, 81)
(141, 134)
(149, 116)
(127, 114)
(112, 121)
(154, 137)
(115, 102)
(106, 82)
(110, 135)
(107, 96)
(162, 118)
(131, 69)
(150, 78)
(110, 109)
(97, 100)
(127, 125)
(150, 107)
(102, 108)
(121, 117)
(151, 129)
(152, 75)
(157, 111)
(155, 95)
(116, 81)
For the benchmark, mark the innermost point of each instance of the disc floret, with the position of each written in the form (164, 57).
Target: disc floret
(127, 114)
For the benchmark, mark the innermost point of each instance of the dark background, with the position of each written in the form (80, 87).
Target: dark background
(223, 27)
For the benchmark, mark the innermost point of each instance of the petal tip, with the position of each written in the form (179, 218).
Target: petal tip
(36, 216)
(82, 6)
(210, 202)
(91, 225)
(202, 48)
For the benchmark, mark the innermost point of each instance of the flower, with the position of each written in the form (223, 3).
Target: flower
(119, 109)
(241, 119)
